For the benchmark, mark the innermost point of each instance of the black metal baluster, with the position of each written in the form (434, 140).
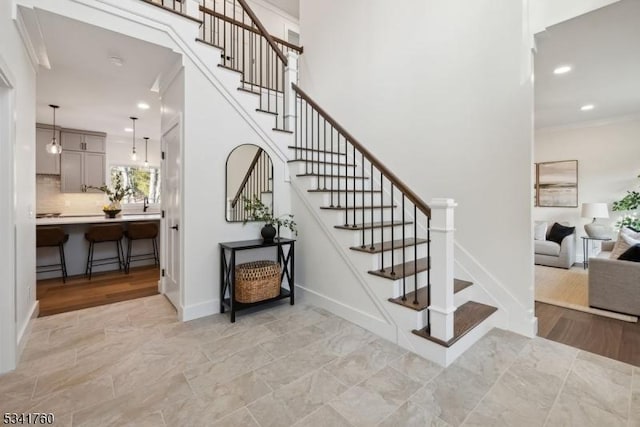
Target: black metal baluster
(354, 186)
(393, 273)
(324, 148)
(362, 199)
(318, 147)
(404, 273)
(346, 185)
(338, 174)
(372, 247)
(428, 272)
(306, 163)
(415, 254)
(332, 162)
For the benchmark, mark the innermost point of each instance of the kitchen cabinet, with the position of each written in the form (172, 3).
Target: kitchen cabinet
(46, 163)
(80, 170)
(78, 140)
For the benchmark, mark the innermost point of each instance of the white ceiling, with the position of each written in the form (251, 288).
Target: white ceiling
(93, 93)
(603, 47)
(292, 7)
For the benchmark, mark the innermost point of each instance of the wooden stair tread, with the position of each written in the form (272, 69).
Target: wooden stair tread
(260, 110)
(342, 190)
(226, 67)
(318, 161)
(335, 176)
(316, 150)
(406, 269)
(458, 285)
(466, 317)
(283, 130)
(342, 208)
(368, 225)
(386, 246)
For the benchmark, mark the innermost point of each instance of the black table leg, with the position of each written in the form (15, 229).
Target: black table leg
(232, 291)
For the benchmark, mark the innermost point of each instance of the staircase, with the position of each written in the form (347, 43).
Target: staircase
(402, 246)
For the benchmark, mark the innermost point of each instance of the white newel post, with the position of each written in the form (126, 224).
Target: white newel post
(290, 76)
(192, 8)
(442, 305)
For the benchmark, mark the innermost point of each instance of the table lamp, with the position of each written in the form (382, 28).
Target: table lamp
(595, 211)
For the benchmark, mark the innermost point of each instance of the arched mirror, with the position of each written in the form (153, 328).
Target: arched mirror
(249, 176)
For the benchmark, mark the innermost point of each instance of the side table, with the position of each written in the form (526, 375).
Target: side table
(228, 267)
(585, 248)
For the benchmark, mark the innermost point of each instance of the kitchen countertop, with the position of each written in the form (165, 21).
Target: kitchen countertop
(97, 219)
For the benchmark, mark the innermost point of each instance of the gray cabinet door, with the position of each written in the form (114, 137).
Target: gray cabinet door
(48, 164)
(72, 173)
(94, 143)
(72, 141)
(94, 171)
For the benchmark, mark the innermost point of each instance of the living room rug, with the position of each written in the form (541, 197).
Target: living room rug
(569, 289)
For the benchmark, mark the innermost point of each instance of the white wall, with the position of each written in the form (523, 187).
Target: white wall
(119, 152)
(545, 13)
(440, 91)
(15, 58)
(608, 166)
(275, 20)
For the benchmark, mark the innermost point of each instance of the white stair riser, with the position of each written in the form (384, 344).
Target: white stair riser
(338, 216)
(351, 184)
(315, 156)
(308, 167)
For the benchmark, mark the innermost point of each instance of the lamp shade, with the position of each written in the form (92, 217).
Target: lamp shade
(595, 210)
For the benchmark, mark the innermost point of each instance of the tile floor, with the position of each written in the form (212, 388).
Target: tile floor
(133, 364)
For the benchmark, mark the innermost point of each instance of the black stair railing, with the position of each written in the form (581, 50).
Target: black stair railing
(327, 150)
(248, 48)
(257, 182)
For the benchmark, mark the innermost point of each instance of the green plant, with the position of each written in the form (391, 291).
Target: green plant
(117, 192)
(258, 211)
(630, 202)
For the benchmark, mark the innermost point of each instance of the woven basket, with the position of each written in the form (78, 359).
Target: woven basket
(257, 281)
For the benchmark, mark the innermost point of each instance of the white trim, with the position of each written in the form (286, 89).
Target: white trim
(26, 40)
(202, 309)
(8, 304)
(276, 10)
(25, 332)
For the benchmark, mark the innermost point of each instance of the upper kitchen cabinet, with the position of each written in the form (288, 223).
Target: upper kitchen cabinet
(80, 140)
(46, 163)
(81, 170)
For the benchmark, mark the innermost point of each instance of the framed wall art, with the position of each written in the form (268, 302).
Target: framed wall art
(557, 184)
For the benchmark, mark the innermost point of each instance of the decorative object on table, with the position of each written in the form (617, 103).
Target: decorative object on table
(115, 194)
(595, 211)
(257, 281)
(258, 211)
(630, 205)
(54, 147)
(557, 184)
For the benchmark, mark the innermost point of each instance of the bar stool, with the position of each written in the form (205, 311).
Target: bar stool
(103, 234)
(142, 231)
(49, 237)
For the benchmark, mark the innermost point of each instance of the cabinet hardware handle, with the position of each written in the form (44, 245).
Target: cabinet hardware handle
(175, 227)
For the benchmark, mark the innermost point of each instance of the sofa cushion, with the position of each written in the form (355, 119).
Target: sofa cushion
(547, 247)
(626, 238)
(540, 230)
(631, 254)
(630, 235)
(559, 232)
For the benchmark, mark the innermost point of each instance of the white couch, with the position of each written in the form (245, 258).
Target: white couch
(551, 254)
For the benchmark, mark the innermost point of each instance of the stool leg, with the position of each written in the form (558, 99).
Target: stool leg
(62, 267)
(128, 262)
(121, 253)
(90, 266)
(156, 257)
(86, 270)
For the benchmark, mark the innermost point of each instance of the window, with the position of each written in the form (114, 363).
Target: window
(144, 181)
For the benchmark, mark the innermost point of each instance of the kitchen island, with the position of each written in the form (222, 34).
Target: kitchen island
(77, 248)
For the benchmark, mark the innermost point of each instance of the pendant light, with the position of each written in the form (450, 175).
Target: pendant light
(53, 147)
(146, 151)
(134, 156)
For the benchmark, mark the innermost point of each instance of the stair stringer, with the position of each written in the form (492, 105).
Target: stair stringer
(397, 322)
(493, 292)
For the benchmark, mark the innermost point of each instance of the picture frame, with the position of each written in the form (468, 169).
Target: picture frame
(557, 184)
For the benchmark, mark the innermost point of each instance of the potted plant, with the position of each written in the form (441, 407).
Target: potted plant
(258, 211)
(115, 195)
(629, 204)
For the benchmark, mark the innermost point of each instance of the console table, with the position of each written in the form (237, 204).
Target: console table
(228, 267)
(585, 248)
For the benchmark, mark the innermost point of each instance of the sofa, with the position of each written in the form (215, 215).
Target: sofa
(551, 254)
(614, 285)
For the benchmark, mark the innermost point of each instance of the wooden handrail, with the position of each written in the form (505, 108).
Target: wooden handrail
(263, 31)
(248, 28)
(417, 201)
(252, 166)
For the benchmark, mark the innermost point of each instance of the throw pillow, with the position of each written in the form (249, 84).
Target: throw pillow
(620, 247)
(630, 236)
(540, 230)
(631, 254)
(559, 232)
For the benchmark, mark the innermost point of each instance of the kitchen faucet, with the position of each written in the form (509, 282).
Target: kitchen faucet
(145, 204)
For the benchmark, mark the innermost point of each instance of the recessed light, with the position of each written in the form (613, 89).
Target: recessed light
(143, 106)
(563, 69)
(587, 107)
(128, 129)
(116, 60)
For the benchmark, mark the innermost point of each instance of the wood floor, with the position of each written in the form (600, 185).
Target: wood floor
(611, 338)
(104, 288)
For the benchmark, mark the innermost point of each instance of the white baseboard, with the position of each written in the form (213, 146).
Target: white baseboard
(352, 314)
(25, 332)
(203, 309)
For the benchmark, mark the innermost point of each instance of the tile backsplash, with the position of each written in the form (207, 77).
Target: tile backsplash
(49, 199)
